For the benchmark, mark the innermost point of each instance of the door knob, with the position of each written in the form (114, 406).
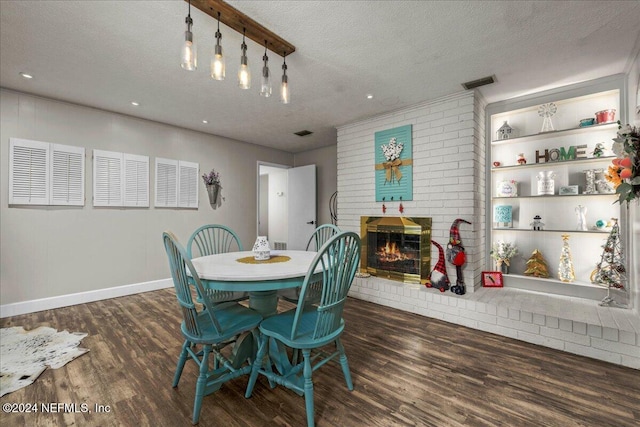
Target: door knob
(311, 222)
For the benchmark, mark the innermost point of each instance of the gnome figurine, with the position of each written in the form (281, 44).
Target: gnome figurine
(438, 277)
(457, 256)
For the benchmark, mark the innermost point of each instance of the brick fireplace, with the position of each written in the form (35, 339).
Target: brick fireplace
(396, 248)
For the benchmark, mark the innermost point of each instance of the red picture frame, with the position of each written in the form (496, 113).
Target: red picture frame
(491, 279)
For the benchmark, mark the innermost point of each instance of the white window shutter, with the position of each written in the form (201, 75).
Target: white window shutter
(107, 178)
(188, 181)
(67, 175)
(136, 180)
(166, 183)
(28, 172)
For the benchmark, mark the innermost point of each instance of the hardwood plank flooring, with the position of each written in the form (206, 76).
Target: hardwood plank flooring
(407, 370)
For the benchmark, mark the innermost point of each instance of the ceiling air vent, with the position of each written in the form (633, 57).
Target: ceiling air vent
(303, 133)
(480, 82)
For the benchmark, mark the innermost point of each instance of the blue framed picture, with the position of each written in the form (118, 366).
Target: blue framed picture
(394, 164)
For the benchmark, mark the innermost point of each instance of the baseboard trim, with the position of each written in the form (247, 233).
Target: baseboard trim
(25, 307)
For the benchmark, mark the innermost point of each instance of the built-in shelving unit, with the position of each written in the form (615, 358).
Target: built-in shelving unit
(558, 212)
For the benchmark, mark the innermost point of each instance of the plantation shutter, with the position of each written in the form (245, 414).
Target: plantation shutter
(188, 192)
(166, 183)
(136, 180)
(107, 178)
(67, 175)
(28, 172)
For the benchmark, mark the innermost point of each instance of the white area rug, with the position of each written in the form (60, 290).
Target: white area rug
(24, 355)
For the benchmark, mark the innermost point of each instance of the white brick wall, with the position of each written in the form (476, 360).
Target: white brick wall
(449, 183)
(448, 173)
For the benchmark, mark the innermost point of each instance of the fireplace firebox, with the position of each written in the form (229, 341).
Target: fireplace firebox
(396, 248)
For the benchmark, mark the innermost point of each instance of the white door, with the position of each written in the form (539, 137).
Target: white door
(302, 206)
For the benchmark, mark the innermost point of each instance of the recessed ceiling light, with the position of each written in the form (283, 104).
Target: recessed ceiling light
(205, 121)
(369, 96)
(134, 103)
(26, 75)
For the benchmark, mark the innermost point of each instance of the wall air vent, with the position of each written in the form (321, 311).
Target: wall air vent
(480, 82)
(303, 133)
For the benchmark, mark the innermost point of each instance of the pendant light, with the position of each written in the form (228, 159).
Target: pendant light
(265, 84)
(217, 60)
(284, 87)
(244, 73)
(189, 56)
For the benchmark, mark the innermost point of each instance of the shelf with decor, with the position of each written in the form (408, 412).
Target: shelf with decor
(546, 230)
(556, 133)
(554, 196)
(561, 189)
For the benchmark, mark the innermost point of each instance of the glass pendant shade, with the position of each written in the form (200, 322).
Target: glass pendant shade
(284, 86)
(189, 55)
(217, 64)
(217, 60)
(244, 77)
(265, 82)
(244, 73)
(284, 90)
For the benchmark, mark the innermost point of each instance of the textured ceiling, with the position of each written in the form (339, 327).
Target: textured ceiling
(106, 54)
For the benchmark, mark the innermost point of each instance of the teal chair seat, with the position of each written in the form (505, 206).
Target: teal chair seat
(279, 327)
(230, 318)
(208, 330)
(310, 327)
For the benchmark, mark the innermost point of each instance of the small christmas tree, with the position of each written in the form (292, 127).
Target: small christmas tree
(565, 269)
(610, 271)
(537, 266)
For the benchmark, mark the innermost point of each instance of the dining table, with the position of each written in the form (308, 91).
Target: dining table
(240, 271)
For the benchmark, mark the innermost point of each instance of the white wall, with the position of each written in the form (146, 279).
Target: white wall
(448, 173)
(53, 251)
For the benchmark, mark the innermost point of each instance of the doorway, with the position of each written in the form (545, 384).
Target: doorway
(286, 205)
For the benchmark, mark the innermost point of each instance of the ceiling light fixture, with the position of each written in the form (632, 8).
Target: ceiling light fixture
(217, 61)
(244, 73)
(285, 95)
(205, 121)
(26, 75)
(238, 21)
(134, 103)
(265, 84)
(189, 56)
(369, 96)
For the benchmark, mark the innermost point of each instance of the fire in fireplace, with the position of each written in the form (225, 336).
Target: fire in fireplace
(396, 248)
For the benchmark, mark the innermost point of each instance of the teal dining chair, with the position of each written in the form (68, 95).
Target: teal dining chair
(208, 330)
(323, 233)
(214, 239)
(308, 328)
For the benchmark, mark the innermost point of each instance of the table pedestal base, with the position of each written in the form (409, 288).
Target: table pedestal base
(264, 302)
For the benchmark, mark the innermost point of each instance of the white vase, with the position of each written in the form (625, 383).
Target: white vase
(261, 249)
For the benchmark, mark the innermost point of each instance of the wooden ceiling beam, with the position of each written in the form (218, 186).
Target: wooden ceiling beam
(237, 20)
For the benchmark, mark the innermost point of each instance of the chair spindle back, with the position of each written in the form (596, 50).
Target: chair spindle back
(212, 239)
(323, 233)
(340, 259)
(179, 263)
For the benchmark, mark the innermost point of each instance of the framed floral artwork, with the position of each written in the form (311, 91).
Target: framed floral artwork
(492, 279)
(394, 164)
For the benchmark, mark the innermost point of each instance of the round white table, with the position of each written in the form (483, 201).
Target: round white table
(261, 279)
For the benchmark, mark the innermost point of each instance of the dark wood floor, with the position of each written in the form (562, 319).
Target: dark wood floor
(407, 370)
